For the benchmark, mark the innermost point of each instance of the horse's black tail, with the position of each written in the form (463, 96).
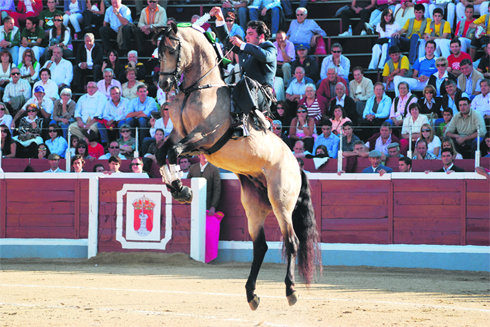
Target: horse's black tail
(304, 224)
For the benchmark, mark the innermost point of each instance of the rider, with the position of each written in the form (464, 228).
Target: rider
(259, 64)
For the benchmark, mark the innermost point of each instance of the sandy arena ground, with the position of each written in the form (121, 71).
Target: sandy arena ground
(172, 290)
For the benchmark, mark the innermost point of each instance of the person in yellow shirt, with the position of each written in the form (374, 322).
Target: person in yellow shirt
(397, 65)
(414, 28)
(439, 32)
(483, 39)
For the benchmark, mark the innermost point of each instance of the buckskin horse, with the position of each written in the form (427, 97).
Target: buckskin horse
(269, 174)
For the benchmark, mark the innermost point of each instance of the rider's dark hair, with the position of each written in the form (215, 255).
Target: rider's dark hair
(260, 27)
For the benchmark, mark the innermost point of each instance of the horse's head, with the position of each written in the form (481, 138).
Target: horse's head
(169, 52)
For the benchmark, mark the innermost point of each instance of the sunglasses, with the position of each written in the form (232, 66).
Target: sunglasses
(336, 51)
(166, 109)
(152, 1)
(51, 130)
(2, 109)
(31, 110)
(301, 111)
(441, 65)
(41, 149)
(113, 147)
(15, 73)
(300, 14)
(125, 131)
(58, 20)
(426, 130)
(4, 131)
(136, 164)
(229, 20)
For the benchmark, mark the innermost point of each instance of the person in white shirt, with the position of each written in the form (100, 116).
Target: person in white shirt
(44, 104)
(114, 151)
(54, 162)
(481, 102)
(89, 106)
(17, 91)
(61, 69)
(50, 87)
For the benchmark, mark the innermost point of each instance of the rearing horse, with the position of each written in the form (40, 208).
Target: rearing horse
(269, 174)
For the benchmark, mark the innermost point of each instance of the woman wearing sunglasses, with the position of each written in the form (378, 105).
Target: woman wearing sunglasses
(433, 142)
(5, 117)
(56, 143)
(29, 137)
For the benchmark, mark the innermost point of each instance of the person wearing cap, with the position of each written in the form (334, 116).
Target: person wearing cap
(17, 91)
(394, 150)
(44, 104)
(338, 60)
(397, 65)
(61, 69)
(308, 62)
(54, 161)
(376, 166)
(303, 30)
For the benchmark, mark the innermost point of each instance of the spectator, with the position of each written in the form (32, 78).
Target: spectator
(8, 146)
(116, 110)
(108, 82)
(412, 123)
(327, 85)
(429, 104)
(29, 67)
(135, 64)
(16, 92)
(29, 137)
(88, 62)
(399, 107)
(164, 122)
(278, 130)
(114, 151)
(349, 139)
(456, 57)
(447, 143)
(316, 105)
(297, 86)
(386, 29)
(447, 7)
(136, 166)
(32, 37)
(452, 96)
(299, 150)
(321, 152)
(117, 21)
(42, 151)
(463, 32)
(184, 164)
(89, 106)
(469, 80)
(5, 67)
(376, 111)
(447, 115)
(328, 139)
(342, 99)
(263, 6)
(448, 163)
(397, 65)
(394, 150)
(5, 117)
(405, 165)
(113, 63)
(49, 86)
(304, 31)
(440, 33)
(43, 103)
(484, 65)
(73, 145)
(151, 19)
(285, 56)
(480, 41)
(95, 150)
(54, 164)
(26, 9)
(382, 140)
(485, 146)
(235, 29)
(56, 143)
(480, 7)
(413, 29)
(360, 88)
(439, 78)
(77, 164)
(481, 103)
(337, 60)
(433, 142)
(73, 14)
(82, 149)
(421, 152)
(155, 145)
(423, 68)
(465, 127)
(93, 16)
(376, 166)
(46, 17)
(129, 89)
(61, 69)
(141, 108)
(302, 128)
(10, 38)
(238, 6)
(64, 111)
(59, 36)
(358, 8)
(127, 143)
(283, 113)
(308, 62)
(114, 165)
(213, 185)
(98, 168)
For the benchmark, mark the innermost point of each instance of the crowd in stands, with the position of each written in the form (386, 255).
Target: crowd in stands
(63, 91)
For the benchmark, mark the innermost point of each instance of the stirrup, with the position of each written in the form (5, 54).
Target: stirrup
(239, 126)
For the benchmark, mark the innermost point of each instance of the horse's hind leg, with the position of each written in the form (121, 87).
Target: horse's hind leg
(256, 210)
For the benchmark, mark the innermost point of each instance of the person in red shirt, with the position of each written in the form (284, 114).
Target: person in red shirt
(456, 57)
(463, 30)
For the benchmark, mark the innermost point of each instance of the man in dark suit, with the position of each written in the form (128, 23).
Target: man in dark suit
(259, 62)
(376, 166)
(213, 185)
(341, 98)
(88, 61)
(448, 166)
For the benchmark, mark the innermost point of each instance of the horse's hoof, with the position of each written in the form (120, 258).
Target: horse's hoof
(254, 303)
(292, 299)
(184, 195)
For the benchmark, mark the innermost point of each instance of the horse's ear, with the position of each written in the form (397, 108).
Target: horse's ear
(173, 26)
